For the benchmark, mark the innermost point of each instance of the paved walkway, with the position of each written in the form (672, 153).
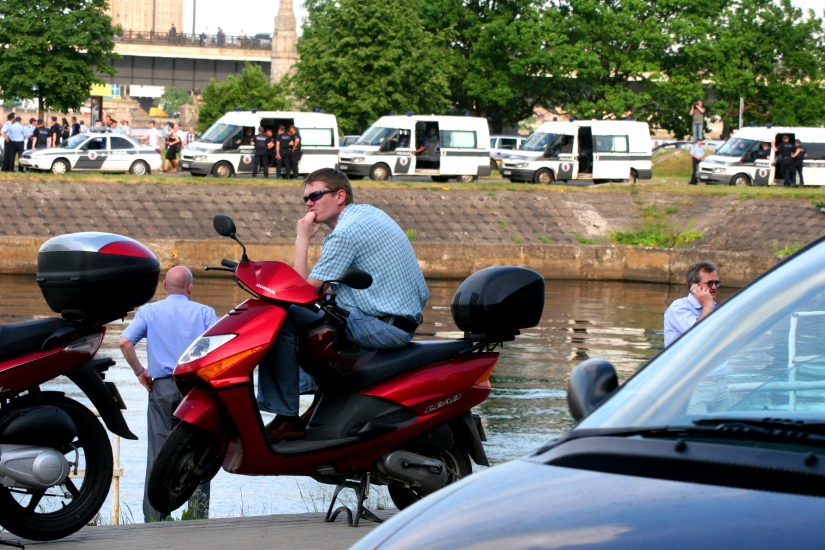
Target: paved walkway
(290, 531)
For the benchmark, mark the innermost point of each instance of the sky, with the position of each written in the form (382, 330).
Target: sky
(254, 16)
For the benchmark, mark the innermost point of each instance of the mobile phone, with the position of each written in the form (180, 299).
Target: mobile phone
(693, 288)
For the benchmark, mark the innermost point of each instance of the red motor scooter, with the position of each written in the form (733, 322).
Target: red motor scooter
(55, 457)
(399, 417)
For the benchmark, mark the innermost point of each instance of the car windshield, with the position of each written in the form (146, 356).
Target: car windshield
(734, 148)
(762, 354)
(375, 136)
(74, 142)
(219, 132)
(536, 142)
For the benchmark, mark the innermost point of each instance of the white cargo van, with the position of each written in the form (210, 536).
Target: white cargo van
(442, 147)
(224, 149)
(737, 163)
(600, 150)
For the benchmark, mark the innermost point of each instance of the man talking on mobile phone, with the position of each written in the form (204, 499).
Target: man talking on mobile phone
(711, 394)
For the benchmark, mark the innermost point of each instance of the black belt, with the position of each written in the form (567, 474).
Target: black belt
(399, 322)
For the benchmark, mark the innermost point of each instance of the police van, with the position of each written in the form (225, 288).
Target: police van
(441, 147)
(598, 150)
(748, 157)
(224, 149)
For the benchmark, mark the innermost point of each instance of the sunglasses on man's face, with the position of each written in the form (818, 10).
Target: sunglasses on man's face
(316, 195)
(717, 284)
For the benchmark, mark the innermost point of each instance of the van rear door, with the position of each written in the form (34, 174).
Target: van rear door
(461, 152)
(610, 157)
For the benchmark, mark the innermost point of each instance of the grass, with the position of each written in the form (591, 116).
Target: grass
(517, 239)
(652, 211)
(819, 204)
(655, 233)
(503, 224)
(584, 240)
(677, 166)
(412, 235)
(545, 240)
(787, 250)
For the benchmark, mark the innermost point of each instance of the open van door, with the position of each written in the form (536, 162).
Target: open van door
(568, 158)
(401, 144)
(765, 169)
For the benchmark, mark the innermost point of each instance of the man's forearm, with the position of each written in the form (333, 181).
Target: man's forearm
(705, 312)
(128, 350)
(301, 257)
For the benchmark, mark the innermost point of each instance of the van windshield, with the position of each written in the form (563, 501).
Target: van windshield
(537, 141)
(219, 132)
(375, 136)
(734, 148)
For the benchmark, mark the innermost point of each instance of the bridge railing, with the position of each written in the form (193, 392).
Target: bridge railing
(202, 40)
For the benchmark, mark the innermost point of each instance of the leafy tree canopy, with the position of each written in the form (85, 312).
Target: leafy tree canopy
(173, 98)
(250, 90)
(361, 59)
(50, 50)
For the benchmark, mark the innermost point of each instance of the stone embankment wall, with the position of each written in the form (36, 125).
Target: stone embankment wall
(456, 231)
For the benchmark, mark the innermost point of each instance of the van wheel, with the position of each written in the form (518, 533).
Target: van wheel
(466, 179)
(60, 166)
(380, 172)
(223, 170)
(544, 176)
(139, 168)
(740, 179)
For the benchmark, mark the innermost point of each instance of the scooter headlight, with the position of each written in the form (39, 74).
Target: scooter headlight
(203, 346)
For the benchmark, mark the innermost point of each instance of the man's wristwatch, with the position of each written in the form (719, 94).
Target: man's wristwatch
(141, 371)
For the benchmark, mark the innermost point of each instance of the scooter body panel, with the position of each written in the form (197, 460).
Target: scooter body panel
(273, 280)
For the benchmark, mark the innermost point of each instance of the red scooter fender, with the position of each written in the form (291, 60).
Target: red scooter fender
(203, 409)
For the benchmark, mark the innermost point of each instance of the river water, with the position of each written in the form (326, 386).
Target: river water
(620, 322)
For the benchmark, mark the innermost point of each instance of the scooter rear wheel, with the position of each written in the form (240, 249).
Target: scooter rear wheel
(51, 515)
(458, 466)
(174, 476)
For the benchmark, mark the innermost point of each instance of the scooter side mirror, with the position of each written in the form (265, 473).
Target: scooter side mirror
(355, 278)
(591, 382)
(223, 225)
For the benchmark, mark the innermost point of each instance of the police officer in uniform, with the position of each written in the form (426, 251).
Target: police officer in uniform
(764, 151)
(41, 136)
(296, 149)
(270, 153)
(283, 153)
(784, 153)
(798, 158)
(263, 144)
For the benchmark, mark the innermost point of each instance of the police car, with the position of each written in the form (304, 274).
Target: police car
(95, 151)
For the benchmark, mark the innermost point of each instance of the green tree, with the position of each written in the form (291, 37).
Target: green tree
(173, 98)
(50, 50)
(771, 54)
(497, 54)
(361, 59)
(250, 90)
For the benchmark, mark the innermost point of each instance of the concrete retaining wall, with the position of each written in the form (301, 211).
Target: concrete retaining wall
(587, 262)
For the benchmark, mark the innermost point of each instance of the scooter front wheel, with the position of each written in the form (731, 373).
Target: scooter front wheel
(61, 510)
(185, 460)
(458, 466)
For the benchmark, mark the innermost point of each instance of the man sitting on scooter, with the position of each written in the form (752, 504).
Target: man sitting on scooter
(383, 316)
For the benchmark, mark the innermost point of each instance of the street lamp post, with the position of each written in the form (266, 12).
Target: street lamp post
(194, 6)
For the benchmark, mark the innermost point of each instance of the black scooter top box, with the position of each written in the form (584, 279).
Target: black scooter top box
(94, 276)
(498, 301)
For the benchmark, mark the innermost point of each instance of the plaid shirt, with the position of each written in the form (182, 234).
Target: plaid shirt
(366, 238)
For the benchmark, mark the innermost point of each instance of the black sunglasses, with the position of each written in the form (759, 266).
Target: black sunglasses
(316, 195)
(717, 284)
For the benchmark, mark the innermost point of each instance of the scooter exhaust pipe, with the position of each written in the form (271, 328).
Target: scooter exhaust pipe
(31, 467)
(419, 471)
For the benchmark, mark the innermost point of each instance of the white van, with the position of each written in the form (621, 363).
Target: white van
(600, 150)
(442, 147)
(737, 163)
(224, 150)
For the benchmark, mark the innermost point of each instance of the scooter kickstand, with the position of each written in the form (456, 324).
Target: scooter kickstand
(362, 489)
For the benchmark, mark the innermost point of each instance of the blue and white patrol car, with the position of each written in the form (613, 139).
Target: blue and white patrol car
(95, 151)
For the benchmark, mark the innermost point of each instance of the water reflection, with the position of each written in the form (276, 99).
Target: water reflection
(620, 322)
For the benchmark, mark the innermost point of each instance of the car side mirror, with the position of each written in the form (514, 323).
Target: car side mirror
(223, 225)
(591, 382)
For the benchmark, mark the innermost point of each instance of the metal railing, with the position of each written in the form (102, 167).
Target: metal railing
(202, 40)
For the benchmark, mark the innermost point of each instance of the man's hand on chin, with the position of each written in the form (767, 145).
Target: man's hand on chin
(307, 227)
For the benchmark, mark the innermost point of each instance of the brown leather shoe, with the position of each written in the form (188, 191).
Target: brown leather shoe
(285, 428)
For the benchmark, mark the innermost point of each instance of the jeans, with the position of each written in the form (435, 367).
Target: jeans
(281, 380)
(698, 128)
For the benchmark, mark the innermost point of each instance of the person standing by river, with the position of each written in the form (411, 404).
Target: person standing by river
(169, 327)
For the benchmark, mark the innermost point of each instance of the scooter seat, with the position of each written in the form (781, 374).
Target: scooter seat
(17, 338)
(392, 362)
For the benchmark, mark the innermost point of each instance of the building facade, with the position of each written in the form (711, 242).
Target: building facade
(144, 15)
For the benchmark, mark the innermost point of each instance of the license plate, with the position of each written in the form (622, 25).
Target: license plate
(184, 165)
(703, 177)
(506, 172)
(342, 166)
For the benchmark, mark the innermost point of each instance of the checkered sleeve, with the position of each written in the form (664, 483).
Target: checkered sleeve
(337, 256)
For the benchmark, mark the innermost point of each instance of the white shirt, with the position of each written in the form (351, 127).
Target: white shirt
(153, 138)
(127, 130)
(84, 129)
(182, 136)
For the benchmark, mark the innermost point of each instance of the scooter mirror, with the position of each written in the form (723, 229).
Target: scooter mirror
(591, 382)
(223, 225)
(355, 278)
